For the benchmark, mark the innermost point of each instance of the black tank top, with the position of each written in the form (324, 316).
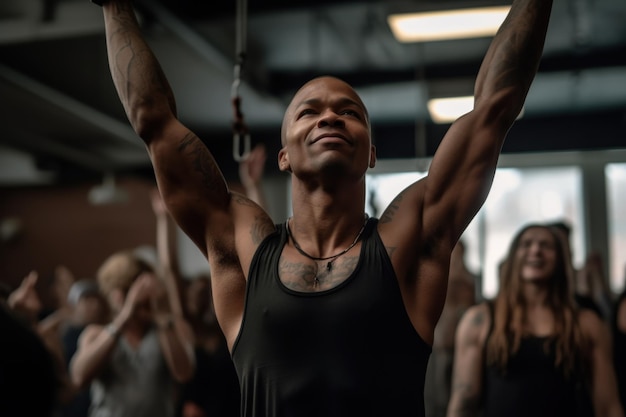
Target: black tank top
(347, 351)
(533, 386)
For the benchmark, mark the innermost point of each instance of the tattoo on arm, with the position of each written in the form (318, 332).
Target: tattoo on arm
(479, 319)
(139, 77)
(391, 210)
(201, 160)
(260, 229)
(243, 200)
(516, 57)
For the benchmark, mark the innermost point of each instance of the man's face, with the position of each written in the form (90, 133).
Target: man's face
(326, 125)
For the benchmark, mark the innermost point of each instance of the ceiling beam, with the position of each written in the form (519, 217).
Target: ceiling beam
(103, 122)
(70, 19)
(39, 145)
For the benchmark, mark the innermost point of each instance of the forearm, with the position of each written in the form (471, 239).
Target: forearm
(86, 365)
(92, 357)
(177, 344)
(513, 57)
(137, 75)
(54, 321)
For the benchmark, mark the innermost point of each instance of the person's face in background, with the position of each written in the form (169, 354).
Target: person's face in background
(91, 308)
(537, 255)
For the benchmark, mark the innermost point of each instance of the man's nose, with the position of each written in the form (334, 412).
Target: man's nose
(330, 118)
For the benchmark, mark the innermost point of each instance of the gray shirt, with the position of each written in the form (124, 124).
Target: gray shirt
(135, 383)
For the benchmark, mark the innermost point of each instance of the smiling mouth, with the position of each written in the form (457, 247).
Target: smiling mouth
(331, 136)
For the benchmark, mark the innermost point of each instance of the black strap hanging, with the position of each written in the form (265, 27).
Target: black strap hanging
(240, 129)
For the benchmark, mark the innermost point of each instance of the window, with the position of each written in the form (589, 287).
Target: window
(616, 196)
(517, 197)
(531, 195)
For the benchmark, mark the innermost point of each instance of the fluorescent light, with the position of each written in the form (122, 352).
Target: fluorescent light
(451, 24)
(447, 110)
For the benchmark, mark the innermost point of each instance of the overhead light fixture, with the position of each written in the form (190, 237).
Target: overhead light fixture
(449, 24)
(107, 193)
(447, 110)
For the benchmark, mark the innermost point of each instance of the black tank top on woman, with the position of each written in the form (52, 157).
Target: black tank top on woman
(347, 351)
(533, 386)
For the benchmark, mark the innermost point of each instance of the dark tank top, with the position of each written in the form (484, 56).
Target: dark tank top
(533, 386)
(347, 351)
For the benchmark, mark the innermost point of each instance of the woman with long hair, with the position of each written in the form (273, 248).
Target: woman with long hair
(531, 350)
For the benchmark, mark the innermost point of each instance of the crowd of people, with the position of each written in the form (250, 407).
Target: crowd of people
(138, 339)
(331, 312)
(533, 349)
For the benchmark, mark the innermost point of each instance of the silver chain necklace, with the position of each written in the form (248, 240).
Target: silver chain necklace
(331, 258)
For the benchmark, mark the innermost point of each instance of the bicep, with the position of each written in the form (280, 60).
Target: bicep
(461, 174)
(190, 181)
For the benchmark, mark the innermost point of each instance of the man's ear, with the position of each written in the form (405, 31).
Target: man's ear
(283, 161)
(373, 157)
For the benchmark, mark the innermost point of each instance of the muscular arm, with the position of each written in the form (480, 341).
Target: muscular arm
(462, 170)
(603, 383)
(432, 214)
(468, 363)
(225, 228)
(188, 177)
